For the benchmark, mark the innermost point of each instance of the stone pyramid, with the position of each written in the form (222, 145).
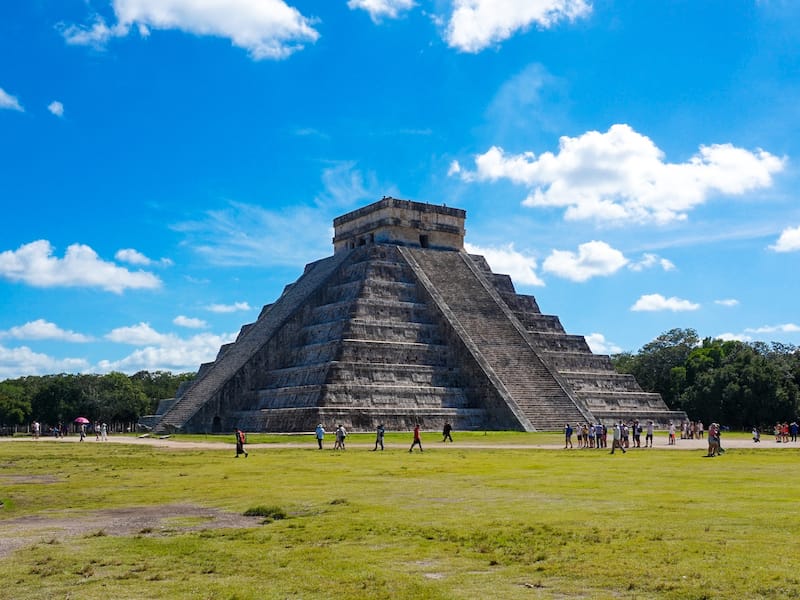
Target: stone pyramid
(401, 326)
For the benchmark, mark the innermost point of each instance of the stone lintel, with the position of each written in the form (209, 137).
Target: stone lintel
(401, 222)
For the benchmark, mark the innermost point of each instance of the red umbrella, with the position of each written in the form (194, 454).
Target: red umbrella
(82, 420)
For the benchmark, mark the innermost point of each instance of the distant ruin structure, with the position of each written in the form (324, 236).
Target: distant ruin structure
(402, 326)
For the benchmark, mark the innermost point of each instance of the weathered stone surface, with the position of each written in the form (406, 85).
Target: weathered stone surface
(401, 326)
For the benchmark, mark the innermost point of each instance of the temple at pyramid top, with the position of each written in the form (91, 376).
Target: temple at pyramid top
(402, 222)
(401, 326)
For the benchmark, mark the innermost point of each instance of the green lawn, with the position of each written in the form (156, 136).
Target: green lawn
(461, 523)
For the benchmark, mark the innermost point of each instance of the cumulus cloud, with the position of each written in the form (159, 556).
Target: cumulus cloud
(648, 261)
(265, 28)
(734, 337)
(163, 351)
(35, 265)
(134, 257)
(789, 240)
(783, 328)
(593, 259)
(621, 176)
(56, 108)
(380, 9)
(727, 302)
(44, 330)
(507, 260)
(228, 308)
(600, 345)
(476, 24)
(7, 101)
(189, 322)
(657, 303)
(21, 361)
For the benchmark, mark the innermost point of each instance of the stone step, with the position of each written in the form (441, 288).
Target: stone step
(585, 382)
(368, 395)
(358, 419)
(491, 334)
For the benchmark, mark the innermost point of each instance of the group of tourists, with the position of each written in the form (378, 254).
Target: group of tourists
(341, 434)
(691, 430)
(595, 435)
(786, 432)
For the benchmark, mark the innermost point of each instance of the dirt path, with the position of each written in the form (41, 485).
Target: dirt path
(175, 444)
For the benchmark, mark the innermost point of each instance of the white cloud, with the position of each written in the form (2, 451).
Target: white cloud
(784, 328)
(727, 302)
(244, 234)
(228, 308)
(56, 108)
(136, 335)
(21, 361)
(345, 186)
(164, 351)
(189, 322)
(649, 261)
(657, 302)
(520, 267)
(620, 176)
(265, 28)
(789, 240)
(95, 35)
(593, 259)
(35, 265)
(477, 24)
(379, 9)
(734, 337)
(134, 257)
(9, 102)
(44, 330)
(600, 345)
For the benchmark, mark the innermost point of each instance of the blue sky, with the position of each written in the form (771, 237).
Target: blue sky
(167, 166)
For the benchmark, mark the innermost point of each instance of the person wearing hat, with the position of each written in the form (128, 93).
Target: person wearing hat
(320, 433)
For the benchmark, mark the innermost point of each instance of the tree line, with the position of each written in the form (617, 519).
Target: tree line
(114, 398)
(738, 384)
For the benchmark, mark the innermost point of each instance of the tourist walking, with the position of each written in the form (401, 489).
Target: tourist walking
(320, 433)
(648, 438)
(671, 434)
(567, 436)
(241, 440)
(379, 437)
(341, 433)
(617, 438)
(447, 432)
(713, 440)
(417, 441)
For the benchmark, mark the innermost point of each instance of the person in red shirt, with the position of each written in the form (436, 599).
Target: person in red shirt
(417, 441)
(240, 441)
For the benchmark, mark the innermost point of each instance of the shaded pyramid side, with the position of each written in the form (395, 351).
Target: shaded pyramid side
(608, 395)
(469, 300)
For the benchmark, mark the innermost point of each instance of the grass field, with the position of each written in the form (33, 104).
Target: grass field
(461, 522)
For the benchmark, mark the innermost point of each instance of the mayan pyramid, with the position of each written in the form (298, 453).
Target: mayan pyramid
(402, 326)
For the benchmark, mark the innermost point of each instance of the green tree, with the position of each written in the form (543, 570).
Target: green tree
(653, 366)
(119, 399)
(15, 407)
(59, 399)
